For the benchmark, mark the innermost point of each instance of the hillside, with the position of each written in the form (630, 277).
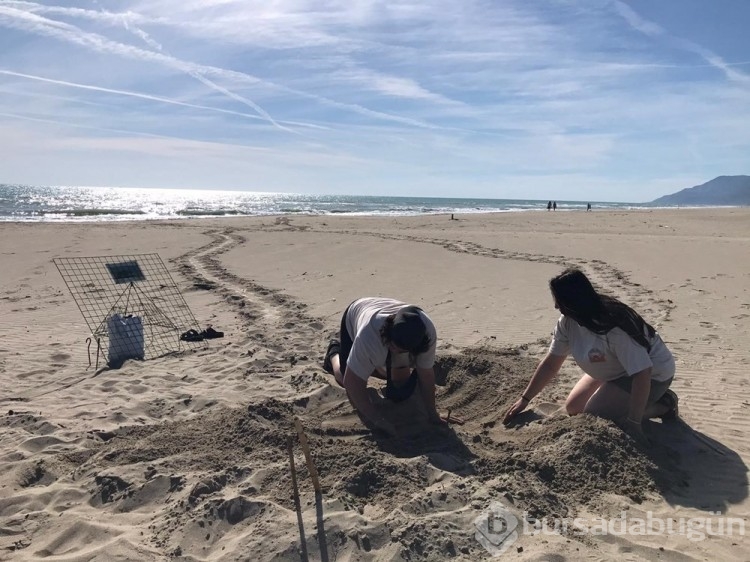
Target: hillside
(724, 190)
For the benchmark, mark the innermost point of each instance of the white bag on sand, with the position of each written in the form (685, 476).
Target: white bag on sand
(125, 339)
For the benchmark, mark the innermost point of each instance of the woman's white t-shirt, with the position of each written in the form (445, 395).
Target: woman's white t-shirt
(609, 356)
(364, 320)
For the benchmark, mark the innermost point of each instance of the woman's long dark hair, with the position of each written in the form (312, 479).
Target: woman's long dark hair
(576, 297)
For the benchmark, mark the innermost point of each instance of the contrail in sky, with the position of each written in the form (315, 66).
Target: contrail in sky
(146, 97)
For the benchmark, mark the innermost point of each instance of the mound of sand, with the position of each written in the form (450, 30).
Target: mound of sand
(224, 474)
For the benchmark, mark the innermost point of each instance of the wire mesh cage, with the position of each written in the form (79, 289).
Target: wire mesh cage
(131, 304)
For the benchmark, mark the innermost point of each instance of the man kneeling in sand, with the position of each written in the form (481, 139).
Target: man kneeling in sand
(385, 338)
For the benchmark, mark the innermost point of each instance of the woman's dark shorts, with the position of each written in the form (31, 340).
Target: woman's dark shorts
(658, 388)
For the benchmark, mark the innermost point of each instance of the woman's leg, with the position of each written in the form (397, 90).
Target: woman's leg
(579, 396)
(610, 401)
(654, 408)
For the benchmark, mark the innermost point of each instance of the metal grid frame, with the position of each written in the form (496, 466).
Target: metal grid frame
(112, 291)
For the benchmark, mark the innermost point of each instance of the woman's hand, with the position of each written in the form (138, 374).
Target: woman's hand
(515, 409)
(547, 368)
(634, 430)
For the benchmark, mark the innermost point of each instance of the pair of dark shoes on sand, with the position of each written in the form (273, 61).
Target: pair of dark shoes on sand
(207, 334)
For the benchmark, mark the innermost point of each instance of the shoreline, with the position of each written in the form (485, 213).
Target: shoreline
(109, 216)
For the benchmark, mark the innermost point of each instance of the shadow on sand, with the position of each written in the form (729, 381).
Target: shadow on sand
(695, 470)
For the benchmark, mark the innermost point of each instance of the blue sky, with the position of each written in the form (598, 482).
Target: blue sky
(609, 100)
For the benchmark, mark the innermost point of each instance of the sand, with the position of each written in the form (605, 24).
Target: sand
(184, 457)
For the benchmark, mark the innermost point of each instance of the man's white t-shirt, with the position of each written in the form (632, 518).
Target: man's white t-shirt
(364, 321)
(609, 356)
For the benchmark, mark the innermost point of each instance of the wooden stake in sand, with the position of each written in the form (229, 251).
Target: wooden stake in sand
(297, 504)
(308, 457)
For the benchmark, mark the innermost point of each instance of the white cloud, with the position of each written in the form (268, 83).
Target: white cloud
(432, 93)
(649, 28)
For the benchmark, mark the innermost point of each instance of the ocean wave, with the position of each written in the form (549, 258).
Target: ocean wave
(88, 212)
(27, 203)
(207, 212)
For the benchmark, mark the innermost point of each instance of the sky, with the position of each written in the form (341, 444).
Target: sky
(603, 100)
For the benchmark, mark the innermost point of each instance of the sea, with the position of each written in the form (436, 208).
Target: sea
(21, 203)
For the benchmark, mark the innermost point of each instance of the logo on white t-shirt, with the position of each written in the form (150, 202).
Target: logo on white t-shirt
(596, 355)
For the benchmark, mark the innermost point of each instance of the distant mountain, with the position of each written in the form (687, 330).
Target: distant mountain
(724, 190)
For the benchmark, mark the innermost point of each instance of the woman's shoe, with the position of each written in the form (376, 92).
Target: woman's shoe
(670, 400)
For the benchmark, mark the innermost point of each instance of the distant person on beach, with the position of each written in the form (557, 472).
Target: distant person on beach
(627, 367)
(554, 205)
(588, 206)
(549, 205)
(384, 338)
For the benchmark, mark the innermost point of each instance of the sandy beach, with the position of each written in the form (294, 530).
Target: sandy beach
(184, 457)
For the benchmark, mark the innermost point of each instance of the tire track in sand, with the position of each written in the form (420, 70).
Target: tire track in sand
(654, 309)
(280, 323)
(274, 319)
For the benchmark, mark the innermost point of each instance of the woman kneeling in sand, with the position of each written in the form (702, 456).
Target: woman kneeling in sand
(384, 338)
(628, 369)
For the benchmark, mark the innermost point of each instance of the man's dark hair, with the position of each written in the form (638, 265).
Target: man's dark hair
(407, 330)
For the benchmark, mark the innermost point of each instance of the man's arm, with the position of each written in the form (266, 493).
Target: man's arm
(427, 388)
(356, 389)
